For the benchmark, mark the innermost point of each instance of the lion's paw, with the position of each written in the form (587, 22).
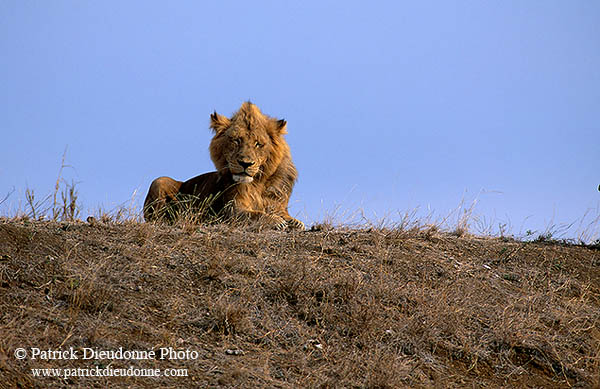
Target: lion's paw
(281, 226)
(275, 222)
(296, 224)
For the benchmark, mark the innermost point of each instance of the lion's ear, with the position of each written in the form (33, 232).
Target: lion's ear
(218, 122)
(281, 126)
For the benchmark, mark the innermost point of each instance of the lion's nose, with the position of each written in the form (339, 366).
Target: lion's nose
(245, 164)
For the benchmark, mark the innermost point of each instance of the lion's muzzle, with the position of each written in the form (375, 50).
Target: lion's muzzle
(243, 178)
(243, 171)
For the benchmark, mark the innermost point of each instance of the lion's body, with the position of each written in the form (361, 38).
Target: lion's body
(254, 178)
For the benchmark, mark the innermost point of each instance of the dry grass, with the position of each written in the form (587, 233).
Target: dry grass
(330, 307)
(60, 205)
(415, 302)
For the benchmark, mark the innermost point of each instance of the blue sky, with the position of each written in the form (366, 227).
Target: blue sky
(391, 106)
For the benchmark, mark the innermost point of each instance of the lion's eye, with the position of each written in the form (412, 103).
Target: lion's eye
(258, 145)
(237, 141)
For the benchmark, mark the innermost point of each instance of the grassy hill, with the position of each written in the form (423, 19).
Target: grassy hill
(331, 308)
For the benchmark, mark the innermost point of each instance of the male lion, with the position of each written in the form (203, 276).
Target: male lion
(254, 178)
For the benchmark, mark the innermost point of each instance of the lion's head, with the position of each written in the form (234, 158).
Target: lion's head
(249, 145)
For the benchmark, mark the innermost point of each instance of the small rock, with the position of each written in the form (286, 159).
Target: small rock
(315, 343)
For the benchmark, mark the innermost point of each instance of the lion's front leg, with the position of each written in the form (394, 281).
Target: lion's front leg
(245, 215)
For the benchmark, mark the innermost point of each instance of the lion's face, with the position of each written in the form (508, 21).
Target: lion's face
(245, 152)
(245, 144)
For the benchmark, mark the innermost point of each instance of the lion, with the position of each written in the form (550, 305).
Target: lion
(254, 177)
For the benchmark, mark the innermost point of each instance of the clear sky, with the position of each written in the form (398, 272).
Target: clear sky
(391, 106)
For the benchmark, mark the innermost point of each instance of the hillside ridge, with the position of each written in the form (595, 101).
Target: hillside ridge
(369, 308)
